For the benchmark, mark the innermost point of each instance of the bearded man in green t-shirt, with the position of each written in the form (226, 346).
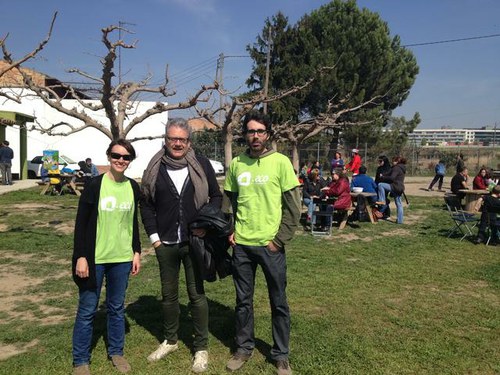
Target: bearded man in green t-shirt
(261, 191)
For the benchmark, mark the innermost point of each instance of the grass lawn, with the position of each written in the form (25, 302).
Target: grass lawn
(372, 299)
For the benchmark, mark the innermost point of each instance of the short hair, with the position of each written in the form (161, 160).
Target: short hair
(362, 170)
(179, 122)
(125, 144)
(6, 143)
(399, 160)
(340, 172)
(88, 159)
(260, 118)
(383, 158)
(313, 174)
(496, 189)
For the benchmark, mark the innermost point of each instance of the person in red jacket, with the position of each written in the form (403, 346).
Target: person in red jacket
(355, 162)
(481, 181)
(339, 187)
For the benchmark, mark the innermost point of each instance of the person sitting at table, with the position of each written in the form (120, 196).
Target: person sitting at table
(312, 189)
(489, 210)
(338, 188)
(364, 181)
(384, 168)
(481, 180)
(393, 183)
(458, 182)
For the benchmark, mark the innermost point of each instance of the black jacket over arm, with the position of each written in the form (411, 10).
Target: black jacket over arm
(86, 229)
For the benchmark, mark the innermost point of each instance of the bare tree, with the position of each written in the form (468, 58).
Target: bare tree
(240, 106)
(332, 118)
(117, 101)
(15, 64)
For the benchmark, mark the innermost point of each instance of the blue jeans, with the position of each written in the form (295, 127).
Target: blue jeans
(310, 207)
(273, 264)
(384, 187)
(117, 275)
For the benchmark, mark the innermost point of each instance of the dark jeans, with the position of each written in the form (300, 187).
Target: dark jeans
(170, 258)
(245, 262)
(438, 177)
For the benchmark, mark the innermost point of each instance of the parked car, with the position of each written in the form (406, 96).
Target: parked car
(217, 166)
(35, 166)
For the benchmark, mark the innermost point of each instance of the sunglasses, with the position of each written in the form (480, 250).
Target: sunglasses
(117, 156)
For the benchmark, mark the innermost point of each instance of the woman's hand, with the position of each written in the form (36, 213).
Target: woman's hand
(136, 264)
(82, 268)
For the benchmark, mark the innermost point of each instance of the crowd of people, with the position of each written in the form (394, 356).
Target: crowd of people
(388, 182)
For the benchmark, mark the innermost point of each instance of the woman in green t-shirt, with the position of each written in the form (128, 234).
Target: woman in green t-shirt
(106, 244)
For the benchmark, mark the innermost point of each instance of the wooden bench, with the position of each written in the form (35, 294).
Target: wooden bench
(80, 185)
(345, 216)
(45, 185)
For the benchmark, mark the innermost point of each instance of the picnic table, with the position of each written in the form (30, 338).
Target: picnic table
(368, 207)
(62, 180)
(472, 197)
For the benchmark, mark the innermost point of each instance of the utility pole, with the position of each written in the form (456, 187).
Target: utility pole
(268, 62)
(120, 26)
(219, 77)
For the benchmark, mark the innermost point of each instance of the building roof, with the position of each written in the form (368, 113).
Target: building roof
(199, 124)
(13, 78)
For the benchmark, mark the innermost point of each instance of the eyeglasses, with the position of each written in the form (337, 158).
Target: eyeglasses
(174, 140)
(254, 132)
(117, 156)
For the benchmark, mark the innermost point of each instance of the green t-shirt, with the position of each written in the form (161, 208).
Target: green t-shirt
(260, 184)
(115, 222)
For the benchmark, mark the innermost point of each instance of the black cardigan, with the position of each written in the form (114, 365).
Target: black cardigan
(86, 229)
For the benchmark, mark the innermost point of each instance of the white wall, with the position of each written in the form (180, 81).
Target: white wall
(87, 143)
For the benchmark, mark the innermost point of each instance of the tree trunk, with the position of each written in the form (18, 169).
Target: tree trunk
(334, 144)
(228, 148)
(295, 156)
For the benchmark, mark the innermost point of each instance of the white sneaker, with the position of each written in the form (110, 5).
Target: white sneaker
(164, 349)
(200, 361)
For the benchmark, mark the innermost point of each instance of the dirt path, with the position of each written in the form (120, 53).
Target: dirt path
(416, 186)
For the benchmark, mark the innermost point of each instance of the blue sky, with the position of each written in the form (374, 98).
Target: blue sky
(457, 86)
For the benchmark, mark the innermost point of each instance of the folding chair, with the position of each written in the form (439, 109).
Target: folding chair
(323, 213)
(464, 222)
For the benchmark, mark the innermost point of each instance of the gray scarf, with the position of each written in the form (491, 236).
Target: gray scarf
(195, 170)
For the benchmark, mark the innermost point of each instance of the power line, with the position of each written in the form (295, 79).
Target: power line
(453, 40)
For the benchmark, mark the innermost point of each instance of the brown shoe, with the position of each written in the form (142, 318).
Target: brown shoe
(237, 361)
(283, 367)
(120, 363)
(81, 370)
